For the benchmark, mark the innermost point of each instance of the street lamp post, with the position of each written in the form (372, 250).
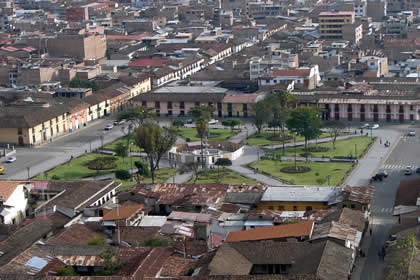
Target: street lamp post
(355, 151)
(371, 132)
(28, 169)
(328, 177)
(294, 137)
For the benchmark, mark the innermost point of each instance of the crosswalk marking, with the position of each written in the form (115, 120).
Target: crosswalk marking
(376, 209)
(399, 166)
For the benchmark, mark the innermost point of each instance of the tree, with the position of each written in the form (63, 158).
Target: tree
(110, 264)
(305, 121)
(137, 115)
(231, 123)
(178, 124)
(66, 270)
(155, 141)
(335, 128)
(123, 174)
(262, 114)
(202, 115)
(121, 150)
(280, 104)
(101, 163)
(76, 82)
(222, 162)
(191, 166)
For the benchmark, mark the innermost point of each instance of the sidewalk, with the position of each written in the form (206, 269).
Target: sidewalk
(360, 262)
(242, 136)
(180, 178)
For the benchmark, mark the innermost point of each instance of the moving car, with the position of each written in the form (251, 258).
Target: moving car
(383, 174)
(408, 170)
(213, 121)
(375, 126)
(380, 176)
(412, 133)
(109, 127)
(11, 159)
(366, 125)
(1, 169)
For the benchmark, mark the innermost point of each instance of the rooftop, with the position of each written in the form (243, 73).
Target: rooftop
(302, 229)
(123, 212)
(301, 193)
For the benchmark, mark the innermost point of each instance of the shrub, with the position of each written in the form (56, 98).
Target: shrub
(158, 241)
(102, 163)
(98, 241)
(143, 168)
(122, 174)
(66, 270)
(55, 177)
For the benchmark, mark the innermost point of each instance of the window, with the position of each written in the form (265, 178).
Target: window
(169, 105)
(295, 208)
(308, 208)
(281, 208)
(144, 103)
(182, 105)
(353, 206)
(157, 104)
(19, 131)
(197, 103)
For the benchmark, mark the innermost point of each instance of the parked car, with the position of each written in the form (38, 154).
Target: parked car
(11, 159)
(418, 170)
(375, 126)
(366, 125)
(383, 174)
(412, 133)
(189, 121)
(408, 170)
(377, 177)
(213, 121)
(109, 126)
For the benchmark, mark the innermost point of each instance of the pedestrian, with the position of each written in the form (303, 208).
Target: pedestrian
(380, 141)
(71, 157)
(370, 232)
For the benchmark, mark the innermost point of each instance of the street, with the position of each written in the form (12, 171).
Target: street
(34, 161)
(405, 153)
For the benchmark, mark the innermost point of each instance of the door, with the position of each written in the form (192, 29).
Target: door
(375, 113)
(21, 141)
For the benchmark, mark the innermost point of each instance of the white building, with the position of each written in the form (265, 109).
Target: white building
(13, 201)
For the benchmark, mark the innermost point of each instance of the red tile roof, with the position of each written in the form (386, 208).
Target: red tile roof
(123, 212)
(291, 72)
(149, 62)
(7, 188)
(301, 229)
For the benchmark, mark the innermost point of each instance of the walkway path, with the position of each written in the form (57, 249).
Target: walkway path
(180, 178)
(252, 154)
(242, 136)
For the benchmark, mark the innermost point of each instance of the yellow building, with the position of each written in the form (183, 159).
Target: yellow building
(299, 198)
(240, 105)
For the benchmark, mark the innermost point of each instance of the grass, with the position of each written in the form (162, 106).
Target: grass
(161, 176)
(216, 134)
(343, 148)
(123, 140)
(77, 169)
(262, 139)
(337, 171)
(227, 177)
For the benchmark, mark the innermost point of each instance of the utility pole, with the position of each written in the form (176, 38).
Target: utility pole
(355, 150)
(28, 169)
(294, 136)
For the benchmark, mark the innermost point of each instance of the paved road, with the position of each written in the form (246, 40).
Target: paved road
(47, 156)
(404, 153)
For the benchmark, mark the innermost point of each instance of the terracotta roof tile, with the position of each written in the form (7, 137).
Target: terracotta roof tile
(123, 212)
(301, 229)
(7, 188)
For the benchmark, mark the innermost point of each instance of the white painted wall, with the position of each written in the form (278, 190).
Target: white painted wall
(18, 202)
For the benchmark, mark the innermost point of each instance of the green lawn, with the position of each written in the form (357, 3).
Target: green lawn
(216, 134)
(77, 169)
(343, 148)
(227, 177)
(263, 139)
(123, 141)
(161, 176)
(336, 170)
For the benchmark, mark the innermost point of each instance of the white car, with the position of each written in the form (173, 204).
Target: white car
(11, 159)
(412, 133)
(375, 126)
(108, 127)
(213, 121)
(408, 170)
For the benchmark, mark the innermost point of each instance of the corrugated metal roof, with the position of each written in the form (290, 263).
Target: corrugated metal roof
(300, 193)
